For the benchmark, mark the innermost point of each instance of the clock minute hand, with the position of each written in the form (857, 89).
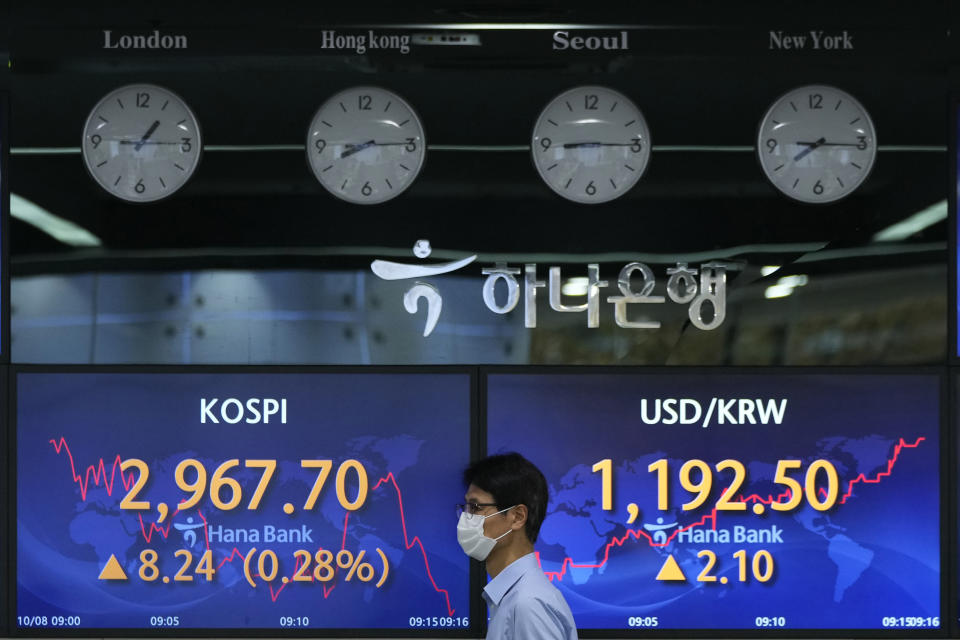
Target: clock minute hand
(143, 140)
(810, 147)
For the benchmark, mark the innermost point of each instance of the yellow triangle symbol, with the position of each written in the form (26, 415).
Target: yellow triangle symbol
(671, 571)
(113, 570)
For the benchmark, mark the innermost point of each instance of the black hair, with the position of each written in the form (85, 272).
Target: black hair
(512, 479)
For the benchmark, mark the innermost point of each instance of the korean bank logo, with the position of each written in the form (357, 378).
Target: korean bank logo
(704, 289)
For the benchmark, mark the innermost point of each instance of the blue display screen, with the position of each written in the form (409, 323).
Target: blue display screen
(222, 500)
(735, 501)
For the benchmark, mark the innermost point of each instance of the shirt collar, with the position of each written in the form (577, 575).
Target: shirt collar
(499, 586)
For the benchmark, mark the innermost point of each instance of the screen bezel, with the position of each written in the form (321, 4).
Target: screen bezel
(953, 281)
(475, 575)
(5, 213)
(948, 586)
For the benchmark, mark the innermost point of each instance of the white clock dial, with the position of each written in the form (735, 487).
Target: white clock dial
(366, 145)
(591, 144)
(141, 143)
(817, 144)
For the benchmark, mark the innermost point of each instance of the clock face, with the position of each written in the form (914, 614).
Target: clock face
(141, 143)
(591, 144)
(366, 145)
(817, 144)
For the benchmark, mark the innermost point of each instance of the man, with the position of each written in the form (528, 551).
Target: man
(506, 502)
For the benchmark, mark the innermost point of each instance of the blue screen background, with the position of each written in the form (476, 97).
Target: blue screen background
(877, 554)
(413, 428)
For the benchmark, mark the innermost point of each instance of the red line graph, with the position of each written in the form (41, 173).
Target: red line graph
(619, 542)
(97, 471)
(98, 474)
(786, 495)
(712, 516)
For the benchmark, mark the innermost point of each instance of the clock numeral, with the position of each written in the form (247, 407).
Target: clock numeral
(818, 188)
(862, 144)
(364, 102)
(636, 146)
(185, 145)
(771, 145)
(320, 145)
(95, 139)
(590, 189)
(366, 189)
(545, 143)
(411, 145)
(590, 102)
(140, 187)
(816, 101)
(143, 100)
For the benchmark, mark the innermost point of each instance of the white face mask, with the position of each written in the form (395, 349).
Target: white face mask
(471, 538)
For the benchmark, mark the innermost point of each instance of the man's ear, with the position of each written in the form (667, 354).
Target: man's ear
(519, 517)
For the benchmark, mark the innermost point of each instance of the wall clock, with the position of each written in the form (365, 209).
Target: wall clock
(141, 143)
(591, 144)
(366, 145)
(816, 144)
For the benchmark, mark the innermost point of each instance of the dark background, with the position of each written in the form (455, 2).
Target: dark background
(702, 73)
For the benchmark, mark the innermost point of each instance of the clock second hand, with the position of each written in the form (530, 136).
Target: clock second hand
(138, 143)
(357, 148)
(831, 144)
(588, 145)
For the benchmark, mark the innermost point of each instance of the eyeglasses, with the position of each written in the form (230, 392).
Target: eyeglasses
(473, 507)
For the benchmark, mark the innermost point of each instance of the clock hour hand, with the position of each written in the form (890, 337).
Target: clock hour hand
(810, 147)
(143, 140)
(357, 148)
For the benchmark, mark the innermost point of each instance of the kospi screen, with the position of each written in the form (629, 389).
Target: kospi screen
(241, 500)
(734, 500)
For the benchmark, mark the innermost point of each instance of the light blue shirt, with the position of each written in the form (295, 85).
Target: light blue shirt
(525, 606)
